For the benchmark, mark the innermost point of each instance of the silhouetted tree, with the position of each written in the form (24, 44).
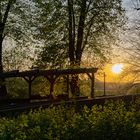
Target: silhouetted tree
(3, 21)
(131, 45)
(14, 25)
(69, 28)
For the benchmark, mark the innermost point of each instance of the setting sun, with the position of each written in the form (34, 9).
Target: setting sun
(117, 68)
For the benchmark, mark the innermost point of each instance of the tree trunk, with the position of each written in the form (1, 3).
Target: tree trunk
(3, 20)
(75, 49)
(3, 90)
(71, 30)
(75, 90)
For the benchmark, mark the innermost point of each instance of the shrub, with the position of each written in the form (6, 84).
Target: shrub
(109, 122)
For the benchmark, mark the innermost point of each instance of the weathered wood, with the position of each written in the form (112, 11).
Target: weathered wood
(92, 85)
(67, 78)
(24, 105)
(16, 73)
(51, 78)
(29, 80)
(51, 75)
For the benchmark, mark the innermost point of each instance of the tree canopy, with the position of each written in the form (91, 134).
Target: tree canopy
(14, 20)
(69, 28)
(131, 44)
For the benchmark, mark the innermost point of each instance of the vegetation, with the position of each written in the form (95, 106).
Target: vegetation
(113, 121)
(132, 49)
(71, 28)
(65, 33)
(14, 27)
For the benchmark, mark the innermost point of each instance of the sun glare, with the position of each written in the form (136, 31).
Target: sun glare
(117, 68)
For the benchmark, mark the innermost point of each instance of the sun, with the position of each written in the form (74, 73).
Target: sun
(117, 68)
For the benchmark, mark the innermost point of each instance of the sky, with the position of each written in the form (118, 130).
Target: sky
(130, 6)
(120, 54)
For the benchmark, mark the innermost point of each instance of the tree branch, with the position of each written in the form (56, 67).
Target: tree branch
(7, 11)
(81, 30)
(3, 21)
(87, 34)
(70, 29)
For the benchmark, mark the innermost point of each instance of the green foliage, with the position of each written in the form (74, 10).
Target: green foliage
(16, 58)
(100, 21)
(113, 121)
(17, 23)
(15, 34)
(17, 88)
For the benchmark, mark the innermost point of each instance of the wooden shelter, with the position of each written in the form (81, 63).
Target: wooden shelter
(51, 76)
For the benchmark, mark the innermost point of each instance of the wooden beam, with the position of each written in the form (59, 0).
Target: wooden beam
(16, 73)
(29, 80)
(51, 75)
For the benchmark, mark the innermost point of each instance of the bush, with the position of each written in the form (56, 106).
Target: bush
(108, 122)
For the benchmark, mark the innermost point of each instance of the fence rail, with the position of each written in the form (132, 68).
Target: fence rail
(14, 106)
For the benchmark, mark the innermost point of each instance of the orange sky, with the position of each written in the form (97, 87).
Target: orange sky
(110, 75)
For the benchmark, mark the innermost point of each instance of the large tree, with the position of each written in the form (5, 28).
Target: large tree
(13, 27)
(69, 28)
(3, 21)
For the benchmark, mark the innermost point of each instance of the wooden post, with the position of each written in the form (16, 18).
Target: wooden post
(30, 87)
(92, 78)
(104, 84)
(51, 88)
(29, 80)
(92, 85)
(51, 78)
(68, 84)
